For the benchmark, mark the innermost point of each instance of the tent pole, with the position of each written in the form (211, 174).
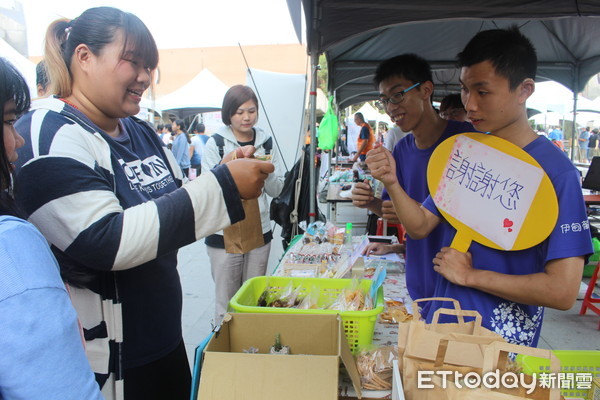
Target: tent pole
(314, 64)
(574, 136)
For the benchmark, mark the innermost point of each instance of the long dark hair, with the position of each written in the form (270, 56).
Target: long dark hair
(181, 125)
(12, 87)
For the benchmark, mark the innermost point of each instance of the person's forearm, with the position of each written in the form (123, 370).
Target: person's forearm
(396, 248)
(542, 289)
(417, 221)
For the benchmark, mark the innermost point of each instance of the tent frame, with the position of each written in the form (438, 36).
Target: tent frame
(346, 29)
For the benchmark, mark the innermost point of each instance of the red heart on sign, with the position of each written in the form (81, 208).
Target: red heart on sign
(507, 223)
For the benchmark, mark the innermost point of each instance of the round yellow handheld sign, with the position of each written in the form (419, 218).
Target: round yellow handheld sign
(491, 191)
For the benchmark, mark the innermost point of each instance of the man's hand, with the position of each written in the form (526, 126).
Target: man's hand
(362, 194)
(249, 176)
(382, 248)
(382, 165)
(453, 265)
(240, 152)
(388, 212)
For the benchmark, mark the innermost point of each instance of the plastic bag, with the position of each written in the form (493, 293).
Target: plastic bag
(395, 312)
(286, 298)
(328, 129)
(311, 300)
(350, 299)
(375, 367)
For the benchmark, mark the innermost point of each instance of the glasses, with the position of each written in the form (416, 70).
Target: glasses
(453, 113)
(396, 98)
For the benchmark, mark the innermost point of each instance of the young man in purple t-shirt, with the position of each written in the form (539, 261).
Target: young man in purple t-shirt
(405, 86)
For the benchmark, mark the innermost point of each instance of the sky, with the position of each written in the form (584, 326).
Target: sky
(178, 23)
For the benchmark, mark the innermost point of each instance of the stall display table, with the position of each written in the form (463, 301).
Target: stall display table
(385, 334)
(591, 199)
(341, 210)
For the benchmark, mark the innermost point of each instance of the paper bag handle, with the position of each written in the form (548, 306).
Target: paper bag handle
(417, 313)
(460, 337)
(492, 359)
(459, 314)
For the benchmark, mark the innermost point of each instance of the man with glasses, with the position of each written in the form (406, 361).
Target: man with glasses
(405, 86)
(451, 107)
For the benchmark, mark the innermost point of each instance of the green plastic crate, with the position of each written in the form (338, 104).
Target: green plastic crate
(358, 325)
(571, 361)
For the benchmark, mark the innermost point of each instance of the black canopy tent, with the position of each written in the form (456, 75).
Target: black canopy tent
(356, 35)
(568, 52)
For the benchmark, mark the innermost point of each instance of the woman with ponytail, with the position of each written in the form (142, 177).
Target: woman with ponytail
(112, 201)
(42, 350)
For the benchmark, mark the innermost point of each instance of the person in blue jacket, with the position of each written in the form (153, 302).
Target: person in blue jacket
(42, 354)
(181, 146)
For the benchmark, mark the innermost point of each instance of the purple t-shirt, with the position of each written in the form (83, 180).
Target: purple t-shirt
(520, 323)
(411, 168)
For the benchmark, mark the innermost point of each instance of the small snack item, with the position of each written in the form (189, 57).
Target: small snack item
(375, 367)
(286, 298)
(264, 157)
(351, 299)
(310, 300)
(277, 348)
(395, 312)
(335, 235)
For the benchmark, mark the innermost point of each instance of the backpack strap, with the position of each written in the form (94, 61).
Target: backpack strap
(220, 142)
(268, 145)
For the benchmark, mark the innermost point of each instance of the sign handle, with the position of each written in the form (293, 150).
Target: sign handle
(461, 242)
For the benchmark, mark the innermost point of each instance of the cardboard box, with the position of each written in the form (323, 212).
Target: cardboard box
(317, 344)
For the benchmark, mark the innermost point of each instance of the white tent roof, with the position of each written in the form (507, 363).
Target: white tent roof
(203, 93)
(552, 96)
(547, 118)
(369, 112)
(22, 64)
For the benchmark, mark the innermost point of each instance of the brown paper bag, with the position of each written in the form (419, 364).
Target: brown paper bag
(423, 339)
(246, 234)
(439, 362)
(496, 358)
(403, 327)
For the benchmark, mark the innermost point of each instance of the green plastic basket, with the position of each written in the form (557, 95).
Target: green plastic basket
(571, 362)
(358, 325)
